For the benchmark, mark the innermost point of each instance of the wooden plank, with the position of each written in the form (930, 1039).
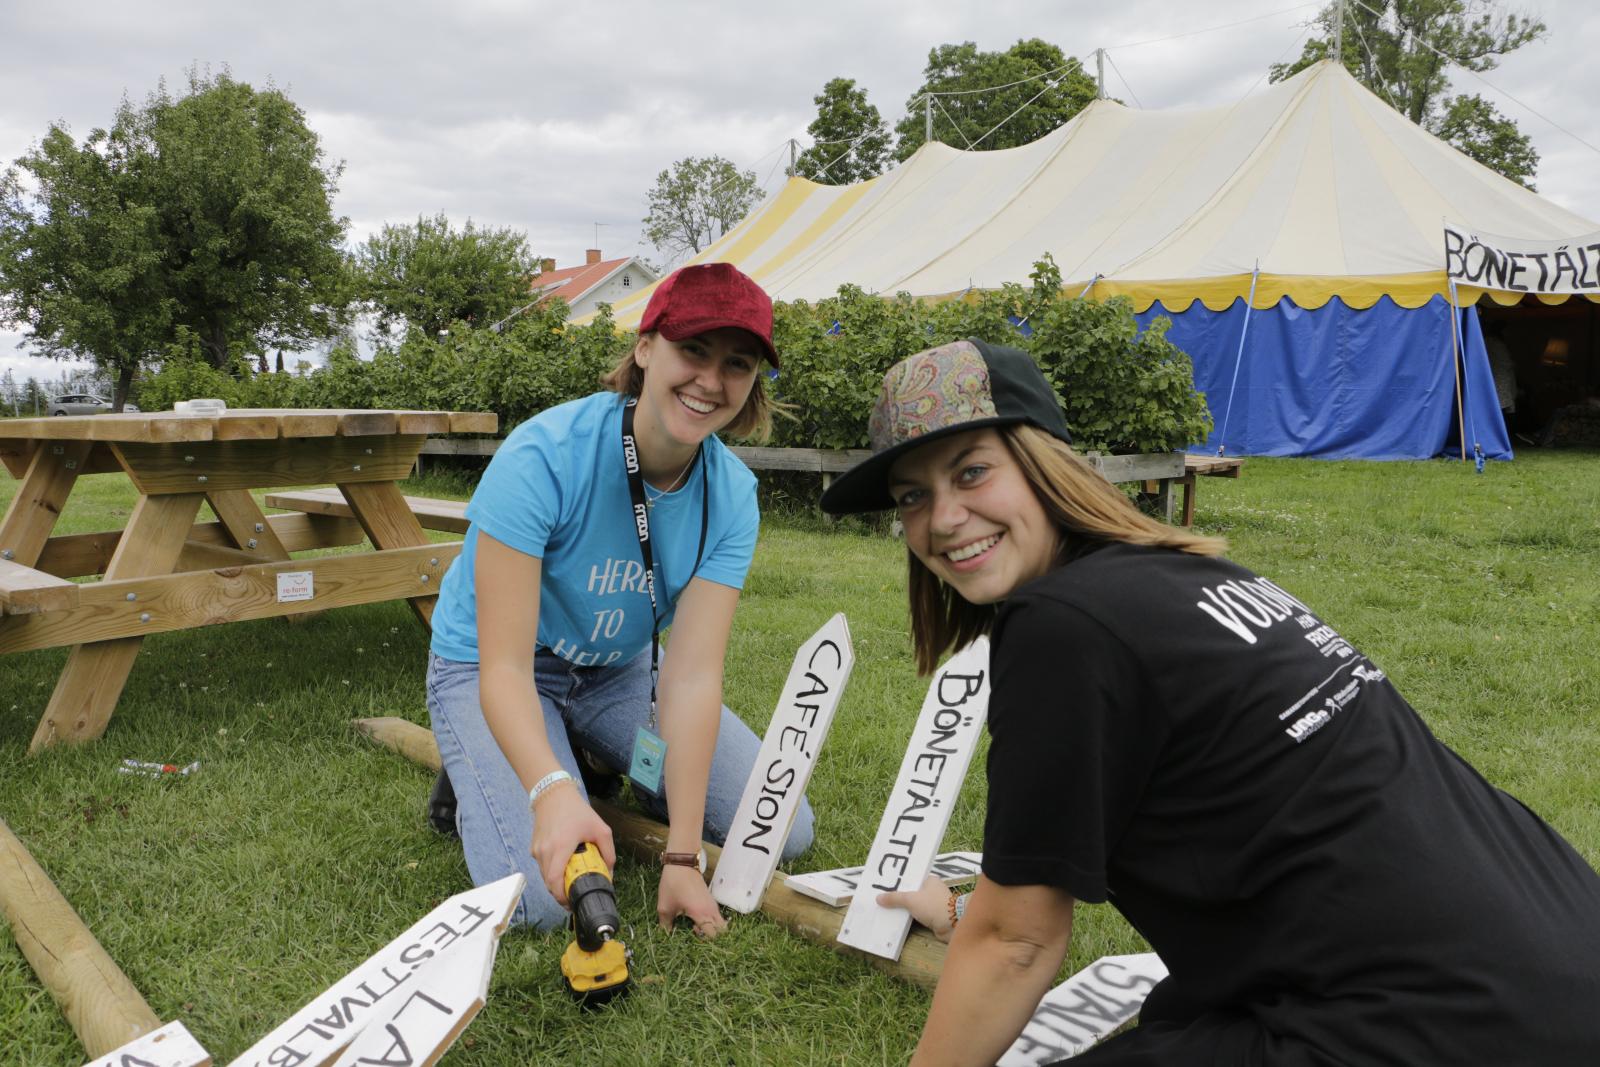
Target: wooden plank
(645, 839)
(381, 510)
(164, 603)
(446, 515)
(464, 446)
(219, 465)
(16, 455)
(100, 1003)
(170, 1046)
(310, 423)
(422, 421)
(86, 693)
(835, 888)
(368, 423)
(245, 426)
(147, 427)
(789, 751)
(1085, 1009)
(80, 555)
(239, 514)
(924, 794)
(1138, 468)
(316, 1033)
(445, 995)
(32, 514)
(474, 422)
(1213, 466)
(25, 591)
(205, 556)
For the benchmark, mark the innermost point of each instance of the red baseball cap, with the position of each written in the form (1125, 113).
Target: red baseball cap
(706, 297)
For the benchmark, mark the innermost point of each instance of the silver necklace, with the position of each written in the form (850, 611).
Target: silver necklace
(650, 501)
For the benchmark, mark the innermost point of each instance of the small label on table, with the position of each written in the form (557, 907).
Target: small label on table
(294, 585)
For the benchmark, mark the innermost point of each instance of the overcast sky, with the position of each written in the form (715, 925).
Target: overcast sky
(553, 117)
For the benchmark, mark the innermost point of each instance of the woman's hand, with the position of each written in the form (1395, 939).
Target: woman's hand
(928, 905)
(684, 892)
(562, 820)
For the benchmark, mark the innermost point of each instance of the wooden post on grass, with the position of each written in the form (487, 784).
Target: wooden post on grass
(644, 839)
(102, 1006)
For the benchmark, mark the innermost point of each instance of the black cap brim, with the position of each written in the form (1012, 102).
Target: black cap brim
(865, 487)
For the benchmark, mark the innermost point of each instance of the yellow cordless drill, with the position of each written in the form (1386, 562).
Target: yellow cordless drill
(595, 965)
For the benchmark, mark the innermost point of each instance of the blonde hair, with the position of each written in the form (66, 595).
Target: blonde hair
(1083, 506)
(753, 423)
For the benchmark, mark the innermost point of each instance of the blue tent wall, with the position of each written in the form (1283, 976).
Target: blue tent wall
(1338, 382)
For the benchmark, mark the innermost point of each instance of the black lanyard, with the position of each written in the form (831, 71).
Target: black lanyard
(641, 526)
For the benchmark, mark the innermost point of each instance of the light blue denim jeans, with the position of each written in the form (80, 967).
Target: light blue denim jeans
(597, 708)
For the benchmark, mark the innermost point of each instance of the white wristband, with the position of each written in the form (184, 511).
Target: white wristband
(545, 783)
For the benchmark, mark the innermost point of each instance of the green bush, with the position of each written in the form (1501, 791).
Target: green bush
(1124, 390)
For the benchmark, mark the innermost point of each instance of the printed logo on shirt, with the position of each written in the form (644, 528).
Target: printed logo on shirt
(1247, 608)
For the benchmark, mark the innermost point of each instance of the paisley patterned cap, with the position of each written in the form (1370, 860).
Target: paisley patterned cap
(960, 386)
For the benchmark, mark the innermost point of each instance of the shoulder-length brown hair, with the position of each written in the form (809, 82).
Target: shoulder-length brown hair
(1084, 507)
(753, 423)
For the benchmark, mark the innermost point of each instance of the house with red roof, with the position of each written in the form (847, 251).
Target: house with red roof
(597, 281)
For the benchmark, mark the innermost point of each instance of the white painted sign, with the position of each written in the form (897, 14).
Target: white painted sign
(1571, 265)
(294, 585)
(170, 1046)
(783, 768)
(316, 1033)
(914, 821)
(1085, 1009)
(446, 995)
(837, 887)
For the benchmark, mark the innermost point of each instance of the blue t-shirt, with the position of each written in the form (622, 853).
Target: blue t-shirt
(558, 490)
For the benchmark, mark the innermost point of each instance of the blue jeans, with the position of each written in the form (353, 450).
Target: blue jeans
(598, 708)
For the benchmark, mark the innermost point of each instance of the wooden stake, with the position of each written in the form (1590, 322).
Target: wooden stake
(102, 1006)
(644, 839)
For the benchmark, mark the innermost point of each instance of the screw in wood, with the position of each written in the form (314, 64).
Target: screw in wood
(424, 577)
(144, 616)
(133, 596)
(356, 467)
(250, 543)
(201, 478)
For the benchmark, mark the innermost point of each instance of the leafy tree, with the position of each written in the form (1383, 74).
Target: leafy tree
(428, 275)
(10, 392)
(1476, 127)
(208, 212)
(852, 138)
(1387, 48)
(1032, 87)
(696, 202)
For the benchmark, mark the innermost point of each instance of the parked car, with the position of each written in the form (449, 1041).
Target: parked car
(85, 404)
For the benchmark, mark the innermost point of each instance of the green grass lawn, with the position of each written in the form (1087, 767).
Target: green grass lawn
(231, 896)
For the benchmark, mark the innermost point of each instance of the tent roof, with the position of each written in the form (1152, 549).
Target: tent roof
(1324, 185)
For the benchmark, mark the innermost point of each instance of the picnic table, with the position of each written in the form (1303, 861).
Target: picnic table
(167, 571)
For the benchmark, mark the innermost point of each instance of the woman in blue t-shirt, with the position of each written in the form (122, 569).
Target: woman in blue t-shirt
(599, 523)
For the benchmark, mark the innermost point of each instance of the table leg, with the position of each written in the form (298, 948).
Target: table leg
(91, 683)
(381, 509)
(48, 482)
(1188, 498)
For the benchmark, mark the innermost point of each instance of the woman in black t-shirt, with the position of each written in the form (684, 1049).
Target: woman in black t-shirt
(1325, 881)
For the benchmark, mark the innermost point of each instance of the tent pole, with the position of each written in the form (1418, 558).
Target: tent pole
(1455, 350)
(927, 118)
(1249, 306)
(1338, 32)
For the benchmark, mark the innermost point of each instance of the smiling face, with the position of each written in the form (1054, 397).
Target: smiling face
(971, 517)
(694, 387)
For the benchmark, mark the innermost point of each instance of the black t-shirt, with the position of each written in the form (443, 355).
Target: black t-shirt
(1183, 738)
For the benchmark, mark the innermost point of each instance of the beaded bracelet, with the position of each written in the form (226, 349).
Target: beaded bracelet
(545, 783)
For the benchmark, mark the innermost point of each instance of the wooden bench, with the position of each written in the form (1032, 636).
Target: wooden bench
(1204, 467)
(449, 516)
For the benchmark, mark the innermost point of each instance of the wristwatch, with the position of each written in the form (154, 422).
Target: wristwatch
(696, 860)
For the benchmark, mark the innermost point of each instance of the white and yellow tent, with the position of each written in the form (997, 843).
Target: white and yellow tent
(1312, 189)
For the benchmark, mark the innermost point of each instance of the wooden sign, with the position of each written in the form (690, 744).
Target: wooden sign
(1085, 1009)
(170, 1046)
(913, 824)
(837, 887)
(316, 1033)
(445, 996)
(783, 768)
